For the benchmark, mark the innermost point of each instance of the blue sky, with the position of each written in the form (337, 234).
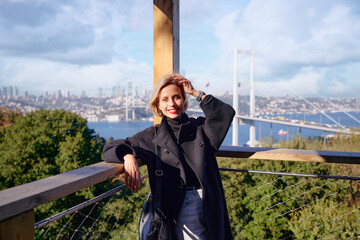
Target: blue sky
(302, 47)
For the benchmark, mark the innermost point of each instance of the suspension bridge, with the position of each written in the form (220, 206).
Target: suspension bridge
(251, 119)
(314, 203)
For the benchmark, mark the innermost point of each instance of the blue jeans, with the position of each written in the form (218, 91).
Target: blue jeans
(188, 225)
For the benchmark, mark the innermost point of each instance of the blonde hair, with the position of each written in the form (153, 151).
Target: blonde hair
(163, 82)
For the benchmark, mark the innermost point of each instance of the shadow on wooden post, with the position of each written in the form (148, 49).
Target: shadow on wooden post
(19, 227)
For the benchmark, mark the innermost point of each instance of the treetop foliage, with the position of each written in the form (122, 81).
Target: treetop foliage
(45, 143)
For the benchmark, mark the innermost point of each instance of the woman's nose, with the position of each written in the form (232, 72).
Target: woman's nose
(172, 102)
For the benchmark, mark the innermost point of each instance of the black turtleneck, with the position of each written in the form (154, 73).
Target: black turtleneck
(176, 130)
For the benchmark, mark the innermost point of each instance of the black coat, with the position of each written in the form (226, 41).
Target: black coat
(202, 137)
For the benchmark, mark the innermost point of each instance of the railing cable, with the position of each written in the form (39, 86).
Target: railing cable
(265, 198)
(290, 174)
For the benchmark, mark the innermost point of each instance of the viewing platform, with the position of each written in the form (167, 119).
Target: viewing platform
(270, 193)
(312, 205)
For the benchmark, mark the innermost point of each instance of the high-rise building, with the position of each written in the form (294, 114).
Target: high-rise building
(58, 94)
(66, 93)
(114, 93)
(5, 92)
(11, 92)
(121, 91)
(16, 92)
(136, 91)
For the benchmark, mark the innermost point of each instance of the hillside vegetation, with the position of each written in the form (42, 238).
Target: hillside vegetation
(44, 143)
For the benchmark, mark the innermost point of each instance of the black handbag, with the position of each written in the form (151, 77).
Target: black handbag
(150, 222)
(152, 218)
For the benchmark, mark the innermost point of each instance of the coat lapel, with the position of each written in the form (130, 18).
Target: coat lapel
(193, 146)
(164, 139)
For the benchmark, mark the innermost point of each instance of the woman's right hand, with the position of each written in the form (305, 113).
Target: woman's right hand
(132, 173)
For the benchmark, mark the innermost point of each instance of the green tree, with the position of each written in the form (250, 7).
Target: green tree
(45, 143)
(328, 219)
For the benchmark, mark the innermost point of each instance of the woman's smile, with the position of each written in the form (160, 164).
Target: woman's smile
(173, 111)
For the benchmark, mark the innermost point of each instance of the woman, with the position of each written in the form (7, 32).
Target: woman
(192, 194)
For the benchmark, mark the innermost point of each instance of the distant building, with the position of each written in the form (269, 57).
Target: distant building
(58, 94)
(112, 118)
(11, 91)
(66, 93)
(121, 91)
(5, 92)
(136, 93)
(114, 93)
(92, 118)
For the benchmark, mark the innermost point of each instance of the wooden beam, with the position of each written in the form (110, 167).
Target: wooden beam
(289, 154)
(166, 39)
(18, 227)
(16, 200)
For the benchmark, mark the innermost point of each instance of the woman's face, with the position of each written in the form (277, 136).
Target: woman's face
(171, 102)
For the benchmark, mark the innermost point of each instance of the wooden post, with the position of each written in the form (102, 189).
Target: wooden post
(20, 227)
(166, 39)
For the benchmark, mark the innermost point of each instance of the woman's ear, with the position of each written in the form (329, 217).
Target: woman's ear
(158, 109)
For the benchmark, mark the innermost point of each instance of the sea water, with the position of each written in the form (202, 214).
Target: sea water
(121, 130)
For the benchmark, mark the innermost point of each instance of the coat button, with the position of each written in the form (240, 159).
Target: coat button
(201, 144)
(166, 151)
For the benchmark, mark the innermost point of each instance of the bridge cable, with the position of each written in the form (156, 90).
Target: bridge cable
(320, 110)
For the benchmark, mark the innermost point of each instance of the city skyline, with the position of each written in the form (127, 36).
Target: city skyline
(302, 48)
(13, 91)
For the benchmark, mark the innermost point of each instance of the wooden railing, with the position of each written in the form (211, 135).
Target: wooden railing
(16, 204)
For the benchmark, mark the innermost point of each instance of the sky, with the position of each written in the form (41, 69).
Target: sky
(301, 47)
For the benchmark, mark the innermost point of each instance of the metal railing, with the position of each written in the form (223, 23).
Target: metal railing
(262, 203)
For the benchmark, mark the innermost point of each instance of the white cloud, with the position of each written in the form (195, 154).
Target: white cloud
(112, 40)
(338, 88)
(74, 32)
(74, 45)
(305, 83)
(290, 35)
(50, 76)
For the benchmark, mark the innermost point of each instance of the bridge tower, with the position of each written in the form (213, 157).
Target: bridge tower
(251, 100)
(130, 100)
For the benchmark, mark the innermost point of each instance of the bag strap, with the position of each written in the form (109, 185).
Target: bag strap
(158, 174)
